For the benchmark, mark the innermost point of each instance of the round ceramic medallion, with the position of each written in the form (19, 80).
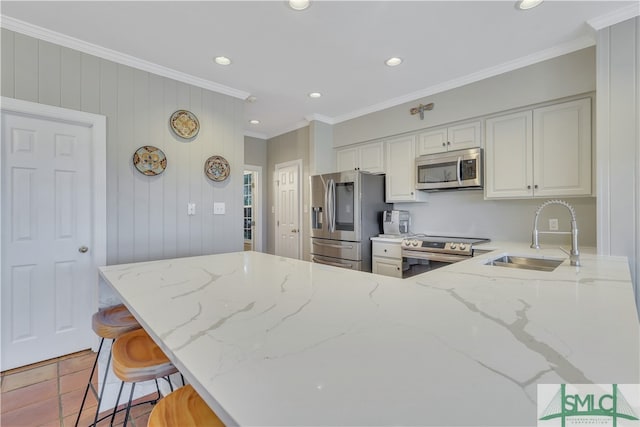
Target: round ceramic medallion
(217, 168)
(149, 160)
(184, 124)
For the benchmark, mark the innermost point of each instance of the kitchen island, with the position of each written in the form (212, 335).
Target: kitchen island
(271, 341)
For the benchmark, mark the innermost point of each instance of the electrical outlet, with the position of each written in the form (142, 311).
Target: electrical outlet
(218, 208)
(553, 224)
(191, 209)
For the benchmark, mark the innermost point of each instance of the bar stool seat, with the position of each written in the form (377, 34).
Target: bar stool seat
(136, 358)
(107, 323)
(184, 408)
(114, 321)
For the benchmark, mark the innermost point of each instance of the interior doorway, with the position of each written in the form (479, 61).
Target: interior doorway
(252, 201)
(288, 209)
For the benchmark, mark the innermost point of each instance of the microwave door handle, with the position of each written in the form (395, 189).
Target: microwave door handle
(459, 169)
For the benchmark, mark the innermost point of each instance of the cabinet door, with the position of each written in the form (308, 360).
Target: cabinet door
(509, 156)
(346, 159)
(371, 157)
(434, 141)
(462, 136)
(401, 171)
(387, 267)
(562, 149)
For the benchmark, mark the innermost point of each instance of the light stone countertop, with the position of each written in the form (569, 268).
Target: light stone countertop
(272, 341)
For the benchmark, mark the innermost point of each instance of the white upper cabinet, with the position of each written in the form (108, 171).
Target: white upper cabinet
(367, 157)
(466, 135)
(544, 152)
(400, 185)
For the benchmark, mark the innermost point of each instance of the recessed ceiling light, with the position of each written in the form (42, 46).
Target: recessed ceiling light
(254, 122)
(315, 95)
(299, 4)
(392, 62)
(527, 4)
(222, 60)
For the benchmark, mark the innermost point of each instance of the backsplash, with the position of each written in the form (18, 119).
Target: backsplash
(466, 213)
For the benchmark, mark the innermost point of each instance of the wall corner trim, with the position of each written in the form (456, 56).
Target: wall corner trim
(615, 16)
(54, 37)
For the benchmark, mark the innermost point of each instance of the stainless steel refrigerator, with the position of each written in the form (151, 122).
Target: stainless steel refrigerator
(346, 211)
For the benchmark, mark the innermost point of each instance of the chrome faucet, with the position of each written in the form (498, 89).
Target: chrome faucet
(574, 256)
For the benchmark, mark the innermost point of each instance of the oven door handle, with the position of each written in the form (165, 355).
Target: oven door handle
(431, 256)
(459, 168)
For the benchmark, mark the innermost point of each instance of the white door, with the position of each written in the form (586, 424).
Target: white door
(288, 210)
(48, 277)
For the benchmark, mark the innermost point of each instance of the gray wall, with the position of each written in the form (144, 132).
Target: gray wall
(255, 154)
(290, 146)
(552, 79)
(466, 213)
(618, 144)
(146, 216)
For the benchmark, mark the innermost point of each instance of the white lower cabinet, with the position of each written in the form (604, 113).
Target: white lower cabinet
(400, 179)
(387, 259)
(544, 152)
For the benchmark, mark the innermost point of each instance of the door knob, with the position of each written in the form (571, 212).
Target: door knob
(83, 249)
(294, 231)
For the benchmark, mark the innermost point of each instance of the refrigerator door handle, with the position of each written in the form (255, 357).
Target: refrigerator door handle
(330, 200)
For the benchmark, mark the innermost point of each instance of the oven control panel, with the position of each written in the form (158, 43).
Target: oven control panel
(436, 246)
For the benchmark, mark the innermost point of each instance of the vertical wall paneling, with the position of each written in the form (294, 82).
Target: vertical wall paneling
(108, 107)
(196, 174)
(124, 165)
(170, 175)
(141, 183)
(7, 65)
(146, 216)
(25, 54)
(156, 114)
(48, 73)
(208, 128)
(618, 144)
(90, 84)
(182, 159)
(70, 79)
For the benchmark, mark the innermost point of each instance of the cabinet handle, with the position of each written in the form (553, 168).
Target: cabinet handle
(448, 142)
(528, 187)
(535, 186)
(443, 144)
(412, 193)
(398, 268)
(385, 250)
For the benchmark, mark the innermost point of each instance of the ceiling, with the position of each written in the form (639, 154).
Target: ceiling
(337, 48)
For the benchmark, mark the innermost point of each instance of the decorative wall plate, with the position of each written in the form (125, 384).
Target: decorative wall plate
(184, 124)
(217, 168)
(150, 160)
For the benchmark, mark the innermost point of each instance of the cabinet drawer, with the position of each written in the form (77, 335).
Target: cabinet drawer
(391, 250)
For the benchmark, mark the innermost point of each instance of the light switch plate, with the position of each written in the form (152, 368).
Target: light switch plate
(218, 208)
(553, 224)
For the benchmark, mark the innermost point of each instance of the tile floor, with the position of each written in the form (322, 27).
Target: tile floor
(49, 393)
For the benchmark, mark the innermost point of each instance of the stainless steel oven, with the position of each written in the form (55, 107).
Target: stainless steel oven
(425, 253)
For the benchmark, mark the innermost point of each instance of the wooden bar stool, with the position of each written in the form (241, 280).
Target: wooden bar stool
(107, 323)
(136, 358)
(184, 408)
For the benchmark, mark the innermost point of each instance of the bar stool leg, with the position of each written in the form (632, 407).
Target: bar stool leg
(126, 415)
(115, 408)
(104, 383)
(90, 385)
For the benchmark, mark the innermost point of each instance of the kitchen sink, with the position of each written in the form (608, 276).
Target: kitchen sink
(527, 263)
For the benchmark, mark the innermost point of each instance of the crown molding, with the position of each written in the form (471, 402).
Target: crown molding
(319, 118)
(295, 126)
(255, 134)
(115, 56)
(543, 55)
(614, 17)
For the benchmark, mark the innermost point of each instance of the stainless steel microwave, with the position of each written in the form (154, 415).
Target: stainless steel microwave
(460, 169)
